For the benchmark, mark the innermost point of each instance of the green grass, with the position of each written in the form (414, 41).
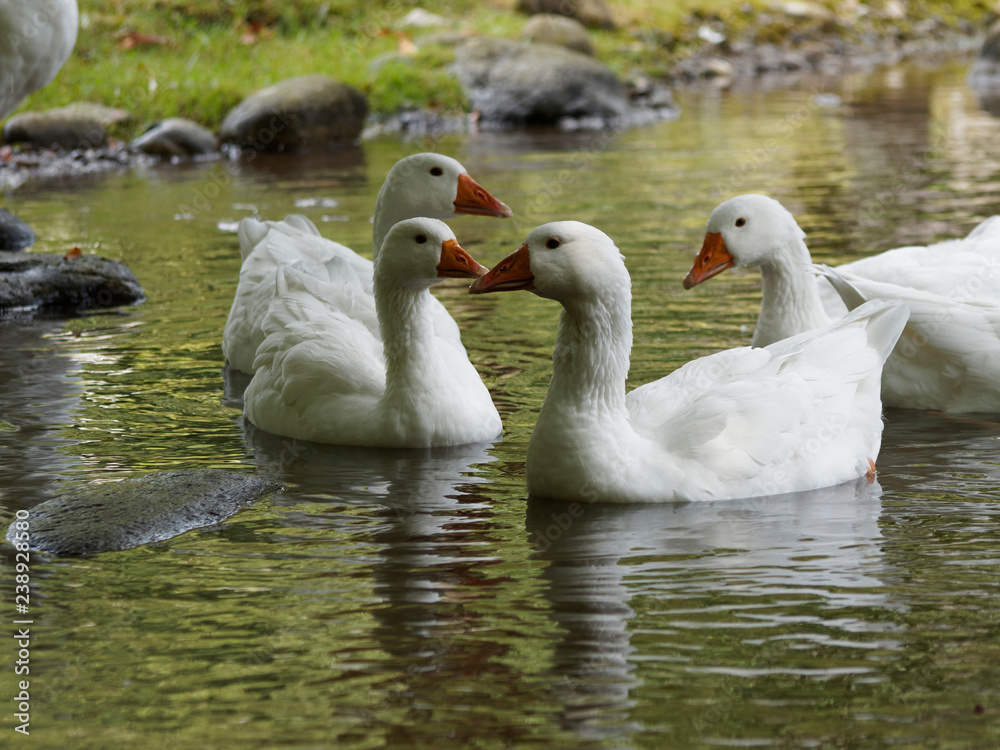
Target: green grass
(202, 68)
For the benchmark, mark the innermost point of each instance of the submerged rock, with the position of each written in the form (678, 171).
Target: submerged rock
(67, 285)
(78, 125)
(549, 28)
(312, 112)
(177, 137)
(14, 234)
(122, 515)
(513, 82)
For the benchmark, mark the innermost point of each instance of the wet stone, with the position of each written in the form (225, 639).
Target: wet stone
(177, 137)
(521, 83)
(121, 515)
(14, 233)
(50, 283)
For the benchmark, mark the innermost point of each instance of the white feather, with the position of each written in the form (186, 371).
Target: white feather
(801, 414)
(948, 357)
(324, 372)
(419, 185)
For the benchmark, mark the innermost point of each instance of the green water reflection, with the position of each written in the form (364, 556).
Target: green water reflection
(415, 599)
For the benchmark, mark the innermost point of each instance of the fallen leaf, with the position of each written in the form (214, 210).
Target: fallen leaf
(253, 32)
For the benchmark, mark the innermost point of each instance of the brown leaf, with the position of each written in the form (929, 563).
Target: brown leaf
(254, 31)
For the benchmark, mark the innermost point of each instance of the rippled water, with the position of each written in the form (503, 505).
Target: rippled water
(414, 599)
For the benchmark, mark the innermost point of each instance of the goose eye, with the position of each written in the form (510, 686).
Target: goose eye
(741, 222)
(421, 239)
(437, 171)
(552, 244)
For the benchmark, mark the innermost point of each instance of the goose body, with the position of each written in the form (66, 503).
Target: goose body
(798, 415)
(966, 269)
(343, 366)
(948, 357)
(421, 185)
(36, 38)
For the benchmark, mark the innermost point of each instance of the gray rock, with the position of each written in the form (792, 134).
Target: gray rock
(122, 515)
(418, 18)
(652, 96)
(548, 28)
(444, 38)
(177, 137)
(802, 9)
(312, 112)
(50, 283)
(78, 125)
(513, 82)
(715, 67)
(591, 13)
(14, 233)
(985, 72)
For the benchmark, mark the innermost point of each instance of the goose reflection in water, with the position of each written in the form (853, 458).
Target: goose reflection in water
(607, 562)
(40, 387)
(421, 522)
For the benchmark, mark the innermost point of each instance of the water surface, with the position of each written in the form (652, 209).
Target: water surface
(416, 599)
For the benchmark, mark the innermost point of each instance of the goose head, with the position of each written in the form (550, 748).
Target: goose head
(420, 252)
(745, 231)
(563, 260)
(435, 185)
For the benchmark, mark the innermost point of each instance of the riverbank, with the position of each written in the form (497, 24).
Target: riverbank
(198, 59)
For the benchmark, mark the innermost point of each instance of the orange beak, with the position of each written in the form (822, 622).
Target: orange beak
(510, 274)
(472, 198)
(455, 263)
(713, 259)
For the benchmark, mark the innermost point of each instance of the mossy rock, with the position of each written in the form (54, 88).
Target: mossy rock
(307, 113)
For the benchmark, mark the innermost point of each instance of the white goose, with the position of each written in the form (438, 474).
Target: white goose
(35, 40)
(948, 357)
(424, 184)
(798, 415)
(324, 375)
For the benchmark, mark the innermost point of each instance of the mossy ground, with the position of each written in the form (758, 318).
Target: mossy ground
(198, 58)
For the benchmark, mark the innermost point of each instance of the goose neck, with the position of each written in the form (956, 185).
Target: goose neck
(404, 318)
(790, 302)
(591, 358)
(391, 207)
